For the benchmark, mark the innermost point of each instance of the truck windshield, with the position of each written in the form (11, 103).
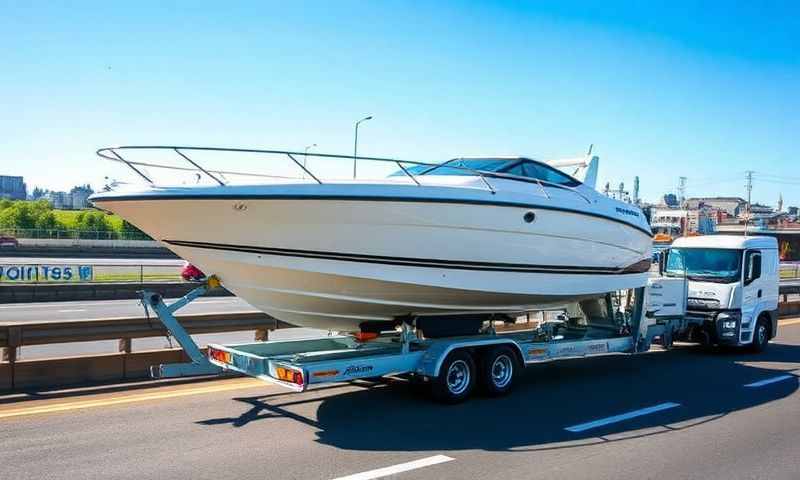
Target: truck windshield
(705, 264)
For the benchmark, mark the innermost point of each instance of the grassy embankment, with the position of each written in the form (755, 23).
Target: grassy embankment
(69, 218)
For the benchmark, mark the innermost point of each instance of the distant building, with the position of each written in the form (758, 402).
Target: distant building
(13, 188)
(79, 197)
(75, 199)
(670, 200)
(673, 222)
(758, 209)
(60, 200)
(733, 206)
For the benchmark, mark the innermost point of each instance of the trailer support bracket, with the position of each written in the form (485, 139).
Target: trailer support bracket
(199, 364)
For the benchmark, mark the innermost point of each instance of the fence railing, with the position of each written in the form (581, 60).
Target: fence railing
(790, 271)
(73, 234)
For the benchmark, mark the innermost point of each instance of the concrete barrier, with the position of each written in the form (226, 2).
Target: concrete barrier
(6, 379)
(30, 293)
(789, 309)
(82, 370)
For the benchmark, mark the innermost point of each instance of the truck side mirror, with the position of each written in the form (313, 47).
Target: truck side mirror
(662, 261)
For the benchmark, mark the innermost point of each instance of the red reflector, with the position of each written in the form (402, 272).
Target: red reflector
(365, 336)
(298, 378)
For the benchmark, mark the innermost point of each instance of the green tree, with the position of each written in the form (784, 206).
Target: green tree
(48, 221)
(18, 215)
(22, 215)
(131, 232)
(93, 225)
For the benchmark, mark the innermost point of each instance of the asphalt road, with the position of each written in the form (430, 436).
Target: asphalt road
(709, 426)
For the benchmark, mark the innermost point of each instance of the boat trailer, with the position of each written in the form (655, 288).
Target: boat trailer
(452, 365)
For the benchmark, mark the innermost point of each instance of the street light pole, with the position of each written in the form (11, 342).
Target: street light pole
(305, 156)
(355, 144)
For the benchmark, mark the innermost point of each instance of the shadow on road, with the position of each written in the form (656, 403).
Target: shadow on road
(391, 416)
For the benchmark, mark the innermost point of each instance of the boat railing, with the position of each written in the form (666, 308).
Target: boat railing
(217, 175)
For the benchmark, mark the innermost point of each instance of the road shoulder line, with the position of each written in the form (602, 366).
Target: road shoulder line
(621, 417)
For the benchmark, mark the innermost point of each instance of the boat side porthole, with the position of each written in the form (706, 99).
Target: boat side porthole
(239, 206)
(529, 217)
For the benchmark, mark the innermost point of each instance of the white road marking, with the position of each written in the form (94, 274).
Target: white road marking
(72, 311)
(619, 418)
(399, 468)
(768, 381)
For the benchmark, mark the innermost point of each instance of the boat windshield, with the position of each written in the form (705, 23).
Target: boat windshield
(510, 166)
(467, 164)
(705, 264)
(413, 170)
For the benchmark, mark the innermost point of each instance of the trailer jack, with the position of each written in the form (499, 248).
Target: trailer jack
(199, 364)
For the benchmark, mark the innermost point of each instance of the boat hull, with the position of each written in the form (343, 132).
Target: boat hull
(335, 263)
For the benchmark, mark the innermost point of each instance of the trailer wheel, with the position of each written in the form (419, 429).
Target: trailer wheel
(456, 378)
(498, 370)
(760, 336)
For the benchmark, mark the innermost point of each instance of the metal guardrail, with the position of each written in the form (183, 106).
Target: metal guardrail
(790, 271)
(13, 335)
(124, 364)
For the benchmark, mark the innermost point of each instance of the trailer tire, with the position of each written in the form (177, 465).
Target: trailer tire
(498, 370)
(760, 335)
(456, 378)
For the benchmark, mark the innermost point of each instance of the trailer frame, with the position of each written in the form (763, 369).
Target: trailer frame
(301, 363)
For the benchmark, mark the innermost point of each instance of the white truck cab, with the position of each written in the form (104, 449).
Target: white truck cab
(732, 284)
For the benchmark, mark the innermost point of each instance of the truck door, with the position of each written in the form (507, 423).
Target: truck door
(753, 287)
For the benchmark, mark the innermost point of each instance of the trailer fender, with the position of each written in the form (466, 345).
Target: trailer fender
(431, 362)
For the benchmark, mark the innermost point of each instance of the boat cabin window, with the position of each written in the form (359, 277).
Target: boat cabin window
(521, 168)
(546, 173)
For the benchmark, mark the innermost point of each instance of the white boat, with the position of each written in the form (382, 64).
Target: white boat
(473, 235)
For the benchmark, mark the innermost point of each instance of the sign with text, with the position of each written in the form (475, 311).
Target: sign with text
(46, 273)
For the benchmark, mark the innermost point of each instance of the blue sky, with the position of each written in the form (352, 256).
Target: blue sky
(704, 90)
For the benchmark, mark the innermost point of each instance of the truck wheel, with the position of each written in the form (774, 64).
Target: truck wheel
(456, 378)
(760, 336)
(498, 370)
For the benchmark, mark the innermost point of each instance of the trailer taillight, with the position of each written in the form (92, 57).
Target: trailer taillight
(219, 355)
(289, 375)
